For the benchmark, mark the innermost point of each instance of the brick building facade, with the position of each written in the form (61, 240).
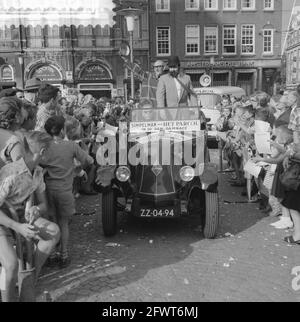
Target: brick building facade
(237, 41)
(84, 52)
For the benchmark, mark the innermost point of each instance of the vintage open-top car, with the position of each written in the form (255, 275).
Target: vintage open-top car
(162, 169)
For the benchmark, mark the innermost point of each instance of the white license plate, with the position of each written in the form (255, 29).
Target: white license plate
(158, 213)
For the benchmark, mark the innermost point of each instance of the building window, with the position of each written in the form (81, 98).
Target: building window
(268, 41)
(192, 40)
(102, 36)
(229, 4)
(162, 5)
(211, 4)
(248, 4)
(191, 4)
(163, 41)
(85, 36)
(5, 37)
(211, 40)
(229, 39)
(35, 37)
(52, 35)
(268, 4)
(248, 39)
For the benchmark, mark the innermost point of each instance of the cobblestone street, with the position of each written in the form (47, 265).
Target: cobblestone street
(162, 260)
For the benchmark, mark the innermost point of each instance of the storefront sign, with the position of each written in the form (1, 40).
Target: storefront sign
(223, 63)
(6, 74)
(47, 73)
(94, 72)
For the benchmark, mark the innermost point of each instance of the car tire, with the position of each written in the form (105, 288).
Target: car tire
(109, 213)
(211, 215)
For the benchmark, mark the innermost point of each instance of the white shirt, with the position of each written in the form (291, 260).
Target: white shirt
(178, 86)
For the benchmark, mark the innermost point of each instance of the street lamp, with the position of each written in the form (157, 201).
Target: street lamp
(21, 63)
(130, 15)
(212, 63)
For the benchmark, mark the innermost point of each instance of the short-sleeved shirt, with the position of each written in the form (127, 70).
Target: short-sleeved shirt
(59, 163)
(42, 116)
(294, 124)
(7, 144)
(17, 183)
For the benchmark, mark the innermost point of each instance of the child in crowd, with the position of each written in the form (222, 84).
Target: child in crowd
(223, 123)
(59, 165)
(294, 124)
(284, 138)
(18, 181)
(73, 131)
(49, 97)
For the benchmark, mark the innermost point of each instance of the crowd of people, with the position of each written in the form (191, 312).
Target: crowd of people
(271, 176)
(48, 144)
(47, 158)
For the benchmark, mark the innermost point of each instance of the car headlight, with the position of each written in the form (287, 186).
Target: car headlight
(187, 174)
(123, 174)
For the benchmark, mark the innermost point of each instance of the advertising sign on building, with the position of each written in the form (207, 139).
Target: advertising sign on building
(47, 73)
(223, 63)
(94, 72)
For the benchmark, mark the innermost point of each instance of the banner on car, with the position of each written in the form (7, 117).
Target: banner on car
(169, 126)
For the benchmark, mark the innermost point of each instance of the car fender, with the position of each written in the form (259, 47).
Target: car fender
(209, 178)
(104, 178)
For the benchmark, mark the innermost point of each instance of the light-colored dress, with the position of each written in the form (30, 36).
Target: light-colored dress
(8, 141)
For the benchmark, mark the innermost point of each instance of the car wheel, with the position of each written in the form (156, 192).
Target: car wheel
(211, 215)
(109, 213)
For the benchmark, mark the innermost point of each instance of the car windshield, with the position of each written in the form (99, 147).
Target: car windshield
(166, 114)
(209, 101)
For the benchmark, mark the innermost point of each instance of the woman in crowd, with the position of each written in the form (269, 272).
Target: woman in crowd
(11, 148)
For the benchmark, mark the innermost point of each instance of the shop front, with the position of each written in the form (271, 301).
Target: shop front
(47, 72)
(95, 78)
(251, 75)
(7, 78)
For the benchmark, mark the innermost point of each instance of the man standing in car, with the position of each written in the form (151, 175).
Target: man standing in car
(175, 88)
(149, 85)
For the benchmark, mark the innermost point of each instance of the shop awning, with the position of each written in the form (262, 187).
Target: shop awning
(7, 84)
(56, 12)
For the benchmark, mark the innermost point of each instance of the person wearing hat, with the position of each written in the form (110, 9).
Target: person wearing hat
(149, 85)
(8, 92)
(175, 88)
(31, 90)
